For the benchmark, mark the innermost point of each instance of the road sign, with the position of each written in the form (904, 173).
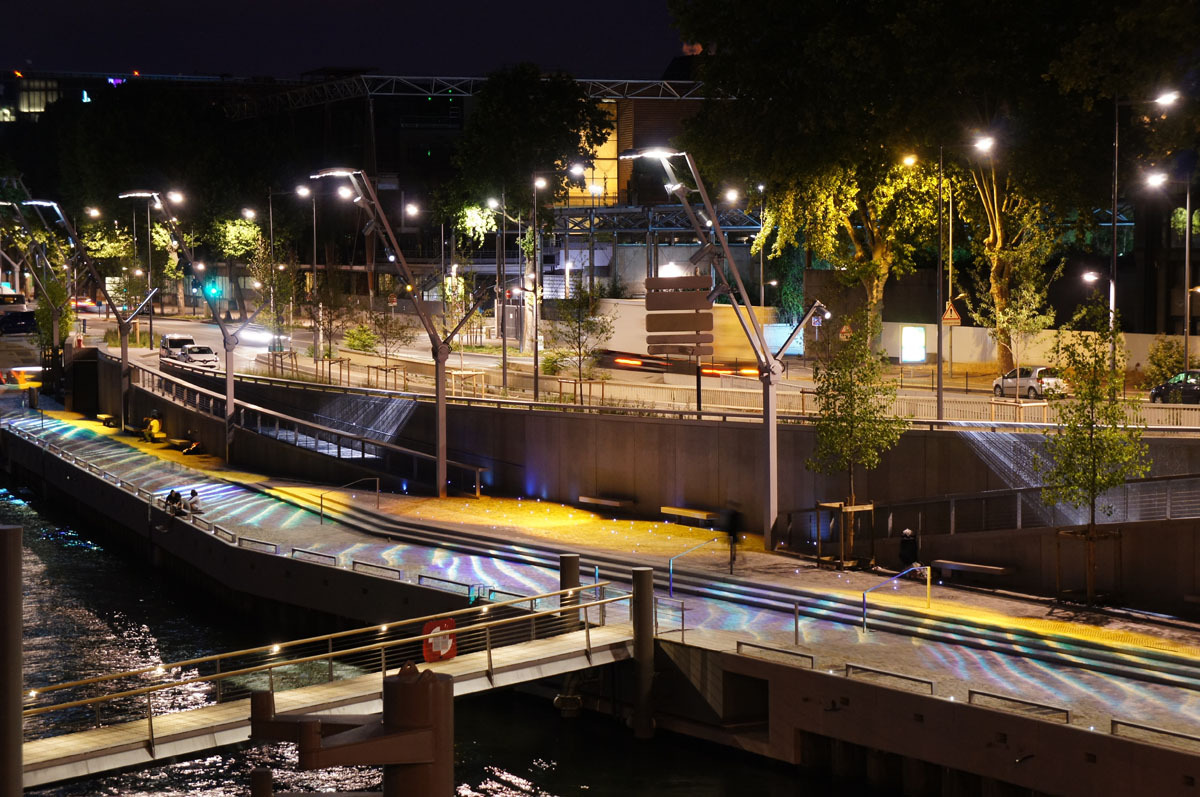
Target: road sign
(951, 318)
(845, 332)
(392, 300)
(670, 328)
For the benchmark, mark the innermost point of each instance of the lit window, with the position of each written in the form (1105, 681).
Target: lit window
(7, 114)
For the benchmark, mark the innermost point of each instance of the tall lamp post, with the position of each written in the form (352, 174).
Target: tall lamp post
(1167, 98)
(1157, 180)
(770, 364)
(538, 182)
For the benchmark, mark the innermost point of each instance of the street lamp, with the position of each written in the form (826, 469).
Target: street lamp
(1164, 100)
(770, 365)
(538, 183)
(1157, 180)
(152, 199)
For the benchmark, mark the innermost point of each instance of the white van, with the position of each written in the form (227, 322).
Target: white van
(170, 346)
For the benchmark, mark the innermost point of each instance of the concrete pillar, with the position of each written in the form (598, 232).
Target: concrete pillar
(417, 700)
(642, 614)
(812, 751)
(10, 661)
(568, 578)
(261, 782)
(847, 760)
(883, 770)
(919, 778)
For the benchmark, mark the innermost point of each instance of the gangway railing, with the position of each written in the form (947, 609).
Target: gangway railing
(928, 589)
(326, 658)
(321, 497)
(671, 564)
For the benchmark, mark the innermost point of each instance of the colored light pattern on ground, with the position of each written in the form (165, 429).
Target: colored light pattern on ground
(1087, 693)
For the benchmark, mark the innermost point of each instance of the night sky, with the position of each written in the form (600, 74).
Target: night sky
(614, 39)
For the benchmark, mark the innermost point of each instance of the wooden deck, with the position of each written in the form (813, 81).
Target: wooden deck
(87, 753)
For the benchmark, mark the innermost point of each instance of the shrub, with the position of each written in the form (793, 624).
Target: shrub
(554, 362)
(1165, 360)
(360, 338)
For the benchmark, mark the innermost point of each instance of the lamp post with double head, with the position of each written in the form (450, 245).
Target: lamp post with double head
(535, 290)
(770, 364)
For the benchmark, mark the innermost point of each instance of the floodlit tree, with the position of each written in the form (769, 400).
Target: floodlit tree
(172, 270)
(524, 124)
(392, 333)
(582, 329)
(855, 422)
(1022, 319)
(1098, 442)
(236, 239)
(277, 286)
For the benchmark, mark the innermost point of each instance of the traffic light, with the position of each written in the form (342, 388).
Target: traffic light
(508, 294)
(214, 290)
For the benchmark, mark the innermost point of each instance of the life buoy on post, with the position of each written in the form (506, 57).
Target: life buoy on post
(440, 648)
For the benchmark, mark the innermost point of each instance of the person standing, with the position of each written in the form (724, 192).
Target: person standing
(909, 549)
(731, 523)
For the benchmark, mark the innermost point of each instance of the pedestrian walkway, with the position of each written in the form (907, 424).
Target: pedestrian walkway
(277, 511)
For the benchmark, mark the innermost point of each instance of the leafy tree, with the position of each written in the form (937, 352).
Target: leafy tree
(54, 298)
(328, 311)
(855, 423)
(172, 270)
(1096, 445)
(277, 281)
(525, 124)
(236, 239)
(1022, 319)
(582, 329)
(392, 333)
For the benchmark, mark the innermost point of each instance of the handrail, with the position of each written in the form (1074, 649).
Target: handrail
(671, 565)
(741, 644)
(344, 486)
(277, 647)
(928, 588)
(974, 693)
(1116, 724)
(682, 615)
(308, 659)
(850, 669)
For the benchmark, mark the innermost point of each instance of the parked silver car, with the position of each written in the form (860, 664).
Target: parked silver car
(1034, 382)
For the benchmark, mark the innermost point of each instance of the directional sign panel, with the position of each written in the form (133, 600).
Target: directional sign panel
(671, 328)
(686, 350)
(679, 322)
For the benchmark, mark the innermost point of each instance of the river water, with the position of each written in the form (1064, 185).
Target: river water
(90, 608)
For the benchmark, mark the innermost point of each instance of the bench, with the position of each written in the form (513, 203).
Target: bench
(178, 444)
(106, 419)
(686, 512)
(611, 503)
(158, 437)
(970, 567)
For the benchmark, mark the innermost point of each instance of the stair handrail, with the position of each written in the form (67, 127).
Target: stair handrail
(321, 497)
(928, 588)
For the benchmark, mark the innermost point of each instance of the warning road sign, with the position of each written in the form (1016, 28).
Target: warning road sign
(845, 332)
(951, 318)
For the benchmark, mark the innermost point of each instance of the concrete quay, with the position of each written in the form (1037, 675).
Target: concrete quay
(280, 513)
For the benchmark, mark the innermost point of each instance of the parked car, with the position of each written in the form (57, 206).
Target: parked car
(171, 346)
(18, 322)
(198, 355)
(1035, 382)
(1183, 388)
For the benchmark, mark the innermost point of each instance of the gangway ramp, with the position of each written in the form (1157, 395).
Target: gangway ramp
(183, 712)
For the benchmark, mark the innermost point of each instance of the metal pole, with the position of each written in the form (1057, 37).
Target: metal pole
(11, 736)
(1187, 275)
(950, 268)
(941, 413)
(762, 259)
(502, 259)
(537, 278)
(317, 325)
(1112, 274)
(149, 272)
(642, 614)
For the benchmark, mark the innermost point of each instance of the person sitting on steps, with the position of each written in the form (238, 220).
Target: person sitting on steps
(193, 503)
(152, 428)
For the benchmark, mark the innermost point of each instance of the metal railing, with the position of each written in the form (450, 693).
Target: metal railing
(206, 680)
(303, 434)
(850, 669)
(671, 564)
(321, 497)
(928, 589)
(974, 695)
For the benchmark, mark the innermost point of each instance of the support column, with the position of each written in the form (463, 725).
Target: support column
(770, 456)
(10, 660)
(440, 355)
(642, 614)
(230, 345)
(123, 413)
(414, 700)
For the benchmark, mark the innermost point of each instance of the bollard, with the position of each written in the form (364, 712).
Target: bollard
(642, 614)
(261, 783)
(568, 578)
(10, 661)
(417, 701)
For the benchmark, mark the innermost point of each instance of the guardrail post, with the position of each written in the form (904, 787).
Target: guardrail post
(10, 635)
(796, 622)
(642, 614)
(487, 643)
(150, 719)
